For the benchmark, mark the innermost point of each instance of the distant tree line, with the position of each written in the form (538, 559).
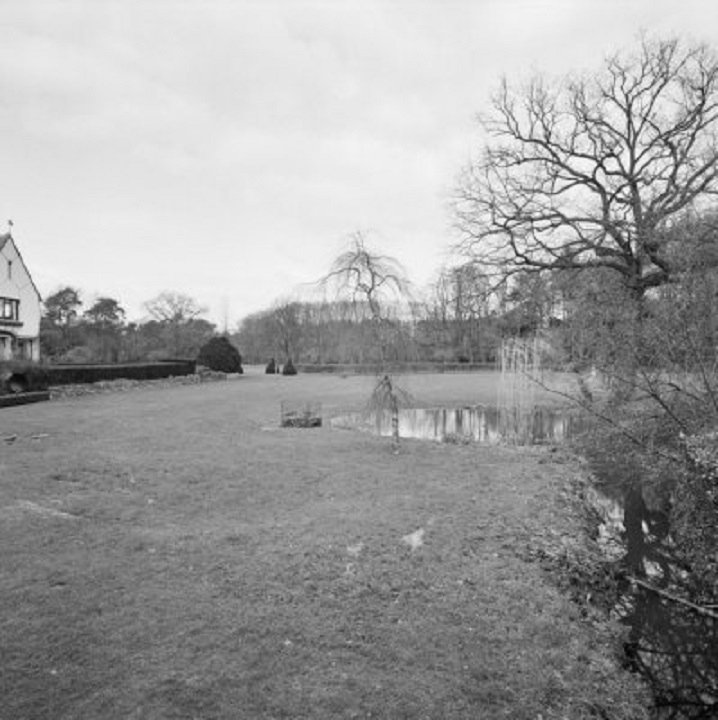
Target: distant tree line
(71, 332)
(462, 317)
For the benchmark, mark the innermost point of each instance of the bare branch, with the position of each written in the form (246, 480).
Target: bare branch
(587, 171)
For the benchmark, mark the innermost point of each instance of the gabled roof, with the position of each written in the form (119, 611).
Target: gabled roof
(3, 241)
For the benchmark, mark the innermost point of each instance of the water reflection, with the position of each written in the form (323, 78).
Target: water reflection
(484, 424)
(672, 646)
(675, 650)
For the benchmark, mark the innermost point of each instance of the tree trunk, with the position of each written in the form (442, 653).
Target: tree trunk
(394, 404)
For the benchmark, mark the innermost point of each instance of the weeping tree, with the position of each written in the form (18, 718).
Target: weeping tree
(376, 286)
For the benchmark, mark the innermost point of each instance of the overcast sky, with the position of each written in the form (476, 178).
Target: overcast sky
(227, 149)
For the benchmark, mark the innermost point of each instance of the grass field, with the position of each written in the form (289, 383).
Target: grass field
(173, 553)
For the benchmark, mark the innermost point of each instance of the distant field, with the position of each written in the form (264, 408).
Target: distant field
(451, 389)
(173, 553)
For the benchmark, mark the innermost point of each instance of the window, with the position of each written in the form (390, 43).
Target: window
(9, 309)
(9, 269)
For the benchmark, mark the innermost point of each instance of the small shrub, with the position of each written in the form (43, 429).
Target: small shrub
(271, 367)
(219, 354)
(289, 368)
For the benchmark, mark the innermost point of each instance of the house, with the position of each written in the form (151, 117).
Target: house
(19, 305)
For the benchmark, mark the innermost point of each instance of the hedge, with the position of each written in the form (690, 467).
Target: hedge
(78, 374)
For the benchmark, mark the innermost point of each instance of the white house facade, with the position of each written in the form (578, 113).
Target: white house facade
(19, 305)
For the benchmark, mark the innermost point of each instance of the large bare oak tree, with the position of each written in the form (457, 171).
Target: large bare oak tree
(593, 171)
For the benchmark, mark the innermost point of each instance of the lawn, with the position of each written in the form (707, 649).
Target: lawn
(173, 553)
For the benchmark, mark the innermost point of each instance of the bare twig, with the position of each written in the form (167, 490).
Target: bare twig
(588, 407)
(673, 598)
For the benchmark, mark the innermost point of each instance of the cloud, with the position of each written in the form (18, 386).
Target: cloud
(226, 148)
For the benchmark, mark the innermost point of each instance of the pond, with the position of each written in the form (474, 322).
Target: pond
(480, 424)
(671, 644)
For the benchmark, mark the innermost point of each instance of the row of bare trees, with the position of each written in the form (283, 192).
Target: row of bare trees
(344, 331)
(461, 317)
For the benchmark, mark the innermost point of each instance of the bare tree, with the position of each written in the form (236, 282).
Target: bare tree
(612, 179)
(592, 171)
(174, 307)
(367, 277)
(375, 283)
(286, 325)
(469, 294)
(178, 316)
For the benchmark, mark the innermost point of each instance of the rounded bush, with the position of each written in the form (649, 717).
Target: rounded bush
(271, 367)
(289, 368)
(219, 354)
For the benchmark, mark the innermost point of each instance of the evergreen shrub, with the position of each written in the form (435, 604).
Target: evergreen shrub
(271, 367)
(289, 368)
(219, 354)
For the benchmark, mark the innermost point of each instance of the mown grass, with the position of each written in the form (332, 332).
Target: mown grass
(173, 553)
